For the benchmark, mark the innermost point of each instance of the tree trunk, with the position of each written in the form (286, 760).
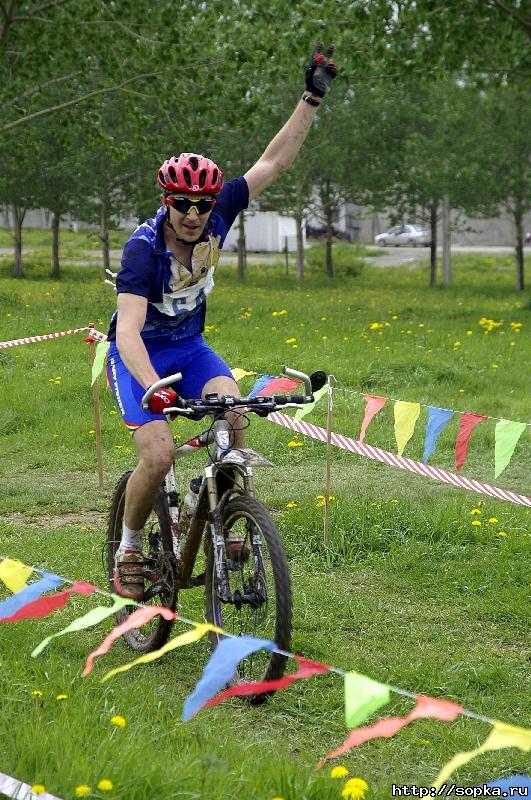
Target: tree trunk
(56, 219)
(446, 242)
(329, 243)
(104, 231)
(242, 252)
(300, 245)
(433, 246)
(18, 219)
(519, 248)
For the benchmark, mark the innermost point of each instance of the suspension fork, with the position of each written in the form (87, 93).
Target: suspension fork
(215, 525)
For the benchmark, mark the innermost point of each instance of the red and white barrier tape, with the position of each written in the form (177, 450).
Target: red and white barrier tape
(10, 787)
(100, 337)
(366, 450)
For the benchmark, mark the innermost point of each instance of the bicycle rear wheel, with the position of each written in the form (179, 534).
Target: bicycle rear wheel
(161, 562)
(265, 574)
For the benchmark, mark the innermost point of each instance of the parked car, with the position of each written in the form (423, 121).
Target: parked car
(409, 235)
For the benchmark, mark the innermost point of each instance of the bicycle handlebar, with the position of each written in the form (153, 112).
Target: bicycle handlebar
(198, 408)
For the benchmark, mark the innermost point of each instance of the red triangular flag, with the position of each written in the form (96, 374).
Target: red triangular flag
(277, 385)
(46, 605)
(306, 669)
(374, 404)
(426, 707)
(467, 423)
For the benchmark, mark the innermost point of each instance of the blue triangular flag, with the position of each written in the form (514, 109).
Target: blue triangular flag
(220, 669)
(259, 384)
(30, 592)
(437, 419)
(515, 782)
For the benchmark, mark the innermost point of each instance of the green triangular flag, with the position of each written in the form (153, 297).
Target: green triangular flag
(363, 697)
(308, 407)
(93, 617)
(99, 359)
(506, 435)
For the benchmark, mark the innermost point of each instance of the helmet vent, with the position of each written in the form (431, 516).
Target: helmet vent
(162, 178)
(202, 178)
(215, 176)
(173, 174)
(193, 162)
(187, 177)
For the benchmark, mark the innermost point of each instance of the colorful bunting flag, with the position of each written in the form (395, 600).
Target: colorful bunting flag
(94, 617)
(501, 735)
(220, 669)
(467, 423)
(14, 574)
(506, 784)
(46, 605)
(197, 632)
(307, 669)
(238, 373)
(363, 697)
(135, 620)
(307, 408)
(425, 707)
(437, 419)
(278, 386)
(506, 435)
(30, 592)
(99, 359)
(406, 416)
(259, 383)
(373, 405)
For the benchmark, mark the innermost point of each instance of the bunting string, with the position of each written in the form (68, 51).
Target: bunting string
(363, 696)
(375, 453)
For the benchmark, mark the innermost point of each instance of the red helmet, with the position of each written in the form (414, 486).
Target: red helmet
(190, 173)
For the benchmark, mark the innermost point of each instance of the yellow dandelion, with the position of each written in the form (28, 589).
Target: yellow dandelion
(492, 519)
(92, 432)
(62, 697)
(502, 533)
(38, 788)
(291, 340)
(338, 772)
(476, 522)
(354, 789)
(105, 785)
(36, 693)
(82, 790)
(292, 504)
(469, 333)
(118, 721)
(374, 326)
(475, 511)
(295, 444)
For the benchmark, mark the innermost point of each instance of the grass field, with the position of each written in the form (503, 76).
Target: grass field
(408, 591)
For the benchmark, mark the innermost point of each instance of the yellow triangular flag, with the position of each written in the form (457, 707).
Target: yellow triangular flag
(501, 735)
(406, 416)
(238, 373)
(197, 632)
(14, 574)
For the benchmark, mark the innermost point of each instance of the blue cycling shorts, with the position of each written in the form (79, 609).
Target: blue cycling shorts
(191, 357)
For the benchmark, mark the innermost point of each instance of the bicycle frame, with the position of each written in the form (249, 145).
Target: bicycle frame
(218, 484)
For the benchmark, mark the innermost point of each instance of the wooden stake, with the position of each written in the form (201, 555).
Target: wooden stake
(97, 414)
(328, 458)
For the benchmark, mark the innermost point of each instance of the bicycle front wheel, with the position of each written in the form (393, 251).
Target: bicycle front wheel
(263, 575)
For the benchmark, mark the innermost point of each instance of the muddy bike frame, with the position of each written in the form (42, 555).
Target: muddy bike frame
(220, 480)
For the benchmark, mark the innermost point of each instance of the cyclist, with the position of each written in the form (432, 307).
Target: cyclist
(166, 273)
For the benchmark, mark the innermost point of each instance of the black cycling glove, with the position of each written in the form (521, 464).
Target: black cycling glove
(321, 71)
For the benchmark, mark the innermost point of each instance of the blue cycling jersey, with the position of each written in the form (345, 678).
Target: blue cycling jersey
(176, 296)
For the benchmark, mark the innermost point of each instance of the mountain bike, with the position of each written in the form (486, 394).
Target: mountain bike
(246, 579)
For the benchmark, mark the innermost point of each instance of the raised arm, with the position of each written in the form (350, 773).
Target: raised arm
(283, 149)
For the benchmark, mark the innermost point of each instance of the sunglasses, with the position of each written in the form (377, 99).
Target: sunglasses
(184, 204)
